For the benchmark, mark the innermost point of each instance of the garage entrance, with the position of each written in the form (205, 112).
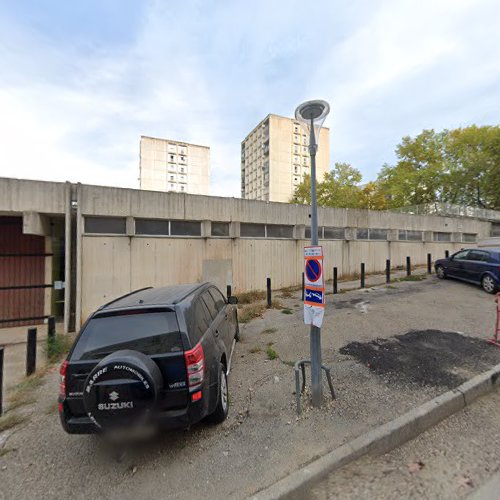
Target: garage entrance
(22, 275)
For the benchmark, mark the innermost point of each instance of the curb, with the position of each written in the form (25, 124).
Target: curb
(383, 438)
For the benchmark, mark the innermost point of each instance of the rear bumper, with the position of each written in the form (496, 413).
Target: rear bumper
(170, 419)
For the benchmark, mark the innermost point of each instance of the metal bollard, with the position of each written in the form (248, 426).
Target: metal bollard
(335, 280)
(1, 380)
(429, 263)
(362, 274)
(446, 253)
(51, 328)
(268, 292)
(408, 266)
(388, 271)
(31, 352)
(303, 285)
(228, 291)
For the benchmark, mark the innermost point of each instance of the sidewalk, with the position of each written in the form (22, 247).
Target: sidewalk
(14, 341)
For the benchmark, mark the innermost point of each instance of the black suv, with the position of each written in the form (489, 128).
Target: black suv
(158, 356)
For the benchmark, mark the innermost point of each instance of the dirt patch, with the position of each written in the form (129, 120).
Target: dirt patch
(426, 357)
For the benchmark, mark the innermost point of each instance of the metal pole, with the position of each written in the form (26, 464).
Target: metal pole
(388, 271)
(447, 253)
(31, 352)
(51, 328)
(1, 380)
(429, 263)
(335, 280)
(228, 291)
(315, 341)
(303, 286)
(362, 274)
(268, 292)
(408, 266)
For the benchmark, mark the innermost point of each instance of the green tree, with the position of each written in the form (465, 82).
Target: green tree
(373, 197)
(339, 188)
(473, 157)
(418, 176)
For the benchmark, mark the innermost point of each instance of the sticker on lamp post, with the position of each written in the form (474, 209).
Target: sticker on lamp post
(314, 288)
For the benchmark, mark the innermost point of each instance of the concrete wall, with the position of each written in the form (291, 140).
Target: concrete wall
(110, 265)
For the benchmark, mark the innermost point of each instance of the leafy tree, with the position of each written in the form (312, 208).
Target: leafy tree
(473, 157)
(418, 176)
(373, 197)
(339, 188)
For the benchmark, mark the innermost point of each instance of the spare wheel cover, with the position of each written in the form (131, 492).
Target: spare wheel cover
(122, 389)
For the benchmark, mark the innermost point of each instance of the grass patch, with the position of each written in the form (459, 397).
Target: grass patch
(392, 287)
(288, 292)
(255, 350)
(22, 393)
(276, 304)
(269, 330)
(413, 277)
(250, 312)
(251, 297)
(271, 353)
(5, 450)
(287, 311)
(57, 346)
(10, 420)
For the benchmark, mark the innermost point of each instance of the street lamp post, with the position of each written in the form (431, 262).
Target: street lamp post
(312, 114)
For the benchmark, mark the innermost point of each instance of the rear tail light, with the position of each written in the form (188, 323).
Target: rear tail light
(195, 366)
(62, 380)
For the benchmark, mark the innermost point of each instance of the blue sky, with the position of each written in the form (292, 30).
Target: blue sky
(80, 82)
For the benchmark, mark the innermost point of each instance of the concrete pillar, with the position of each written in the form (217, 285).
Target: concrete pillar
(130, 226)
(299, 232)
(67, 256)
(428, 236)
(350, 233)
(206, 228)
(393, 235)
(234, 229)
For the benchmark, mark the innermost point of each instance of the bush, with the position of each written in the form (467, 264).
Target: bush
(57, 346)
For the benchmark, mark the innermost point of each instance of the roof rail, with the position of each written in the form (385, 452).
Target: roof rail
(123, 296)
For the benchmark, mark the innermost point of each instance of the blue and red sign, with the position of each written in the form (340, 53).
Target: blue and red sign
(313, 270)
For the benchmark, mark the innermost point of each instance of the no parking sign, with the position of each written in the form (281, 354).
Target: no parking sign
(314, 289)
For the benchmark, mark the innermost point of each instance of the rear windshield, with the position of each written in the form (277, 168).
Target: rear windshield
(147, 332)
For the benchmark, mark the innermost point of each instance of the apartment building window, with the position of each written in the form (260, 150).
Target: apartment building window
(248, 230)
(153, 227)
(185, 228)
(172, 186)
(409, 235)
(377, 234)
(106, 225)
(172, 157)
(296, 170)
(333, 233)
(441, 236)
(183, 188)
(361, 233)
(308, 233)
(172, 178)
(279, 231)
(469, 237)
(220, 229)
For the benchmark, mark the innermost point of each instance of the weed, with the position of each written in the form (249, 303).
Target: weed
(10, 420)
(269, 344)
(288, 363)
(57, 346)
(250, 312)
(392, 287)
(288, 293)
(287, 311)
(250, 297)
(269, 330)
(22, 392)
(413, 277)
(271, 353)
(276, 304)
(255, 349)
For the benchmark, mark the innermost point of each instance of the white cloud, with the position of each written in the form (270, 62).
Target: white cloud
(207, 73)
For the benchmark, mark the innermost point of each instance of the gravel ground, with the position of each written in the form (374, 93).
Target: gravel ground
(451, 460)
(262, 440)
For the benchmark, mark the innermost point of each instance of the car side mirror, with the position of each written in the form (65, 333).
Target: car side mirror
(232, 300)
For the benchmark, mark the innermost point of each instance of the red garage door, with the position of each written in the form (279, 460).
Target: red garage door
(22, 274)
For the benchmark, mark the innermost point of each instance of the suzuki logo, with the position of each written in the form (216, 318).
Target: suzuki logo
(113, 396)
